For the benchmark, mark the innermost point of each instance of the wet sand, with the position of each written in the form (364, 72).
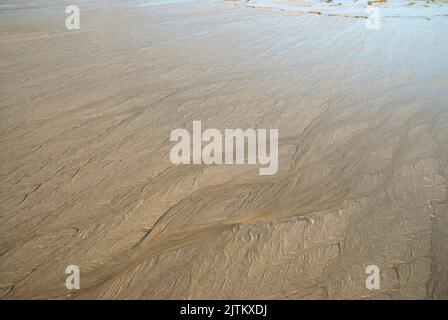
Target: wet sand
(85, 120)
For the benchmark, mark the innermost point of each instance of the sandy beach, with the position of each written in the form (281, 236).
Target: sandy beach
(86, 176)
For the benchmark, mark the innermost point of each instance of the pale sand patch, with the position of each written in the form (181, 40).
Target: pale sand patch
(87, 180)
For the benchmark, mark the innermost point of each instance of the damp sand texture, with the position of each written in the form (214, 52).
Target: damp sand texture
(86, 177)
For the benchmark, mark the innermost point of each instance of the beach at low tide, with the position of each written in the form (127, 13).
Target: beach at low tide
(86, 176)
